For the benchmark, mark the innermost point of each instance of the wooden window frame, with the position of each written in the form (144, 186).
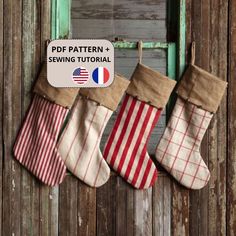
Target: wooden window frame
(60, 28)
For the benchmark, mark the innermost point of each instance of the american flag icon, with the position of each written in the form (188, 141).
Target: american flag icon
(80, 75)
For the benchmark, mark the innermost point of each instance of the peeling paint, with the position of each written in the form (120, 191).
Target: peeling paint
(80, 220)
(13, 185)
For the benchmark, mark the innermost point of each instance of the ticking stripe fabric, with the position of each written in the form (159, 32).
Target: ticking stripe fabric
(35, 144)
(126, 148)
(178, 149)
(79, 143)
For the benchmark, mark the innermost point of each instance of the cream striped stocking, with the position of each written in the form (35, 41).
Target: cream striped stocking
(79, 143)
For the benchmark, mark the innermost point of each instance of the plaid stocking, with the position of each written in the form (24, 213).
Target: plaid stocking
(126, 148)
(179, 148)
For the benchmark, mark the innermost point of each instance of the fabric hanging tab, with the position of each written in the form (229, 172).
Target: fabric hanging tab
(193, 53)
(140, 51)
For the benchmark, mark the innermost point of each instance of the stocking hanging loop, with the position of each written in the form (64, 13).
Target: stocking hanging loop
(193, 53)
(140, 51)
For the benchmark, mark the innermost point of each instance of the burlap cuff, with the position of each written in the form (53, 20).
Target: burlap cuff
(201, 88)
(150, 86)
(109, 96)
(61, 96)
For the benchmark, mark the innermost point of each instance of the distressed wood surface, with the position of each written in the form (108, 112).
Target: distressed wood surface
(231, 163)
(29, 208)
(125, 19)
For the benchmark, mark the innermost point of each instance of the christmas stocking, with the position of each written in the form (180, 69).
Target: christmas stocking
(35, 144)
(125, 149)
(79, 143)
(199, 95)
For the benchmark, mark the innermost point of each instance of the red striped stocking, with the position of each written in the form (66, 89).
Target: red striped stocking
(36, 141)
(126, 148)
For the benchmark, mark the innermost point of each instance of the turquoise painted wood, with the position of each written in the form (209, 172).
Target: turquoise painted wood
(181, 37)
(60, 18)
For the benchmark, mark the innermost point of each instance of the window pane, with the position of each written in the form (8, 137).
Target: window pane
(127, 19)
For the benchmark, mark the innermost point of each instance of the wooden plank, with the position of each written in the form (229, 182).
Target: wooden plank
(199, 30)
(122, 9)
(162, 206)
(11, 116)
(231, 165)
(143, 212)
(106, 208)
(180, 210)
(217, 142)
(77, 207)
(1, 111)
(29, 185)
(86, 210)
(68, 205)
(124, 208)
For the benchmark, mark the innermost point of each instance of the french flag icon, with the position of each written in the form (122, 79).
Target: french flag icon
(101, 75)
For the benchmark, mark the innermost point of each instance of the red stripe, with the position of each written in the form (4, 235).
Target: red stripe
(105, 75)
(150, 163)
(33, 142)
(47, 127)
(154, 177)
(81, 123)
(146, 172)
(51, 144)
(137, 144)
(60, 173)
(142, 156)
(85, 139)
(43, 126)
(37, 143)
(100, 164)
(131, 136)
(123, 131)
(96, 144)
(115, 128)
(54, 161)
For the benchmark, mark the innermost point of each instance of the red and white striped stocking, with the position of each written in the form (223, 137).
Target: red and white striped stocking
(35, 145)
(179, 148)
(126, 148)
